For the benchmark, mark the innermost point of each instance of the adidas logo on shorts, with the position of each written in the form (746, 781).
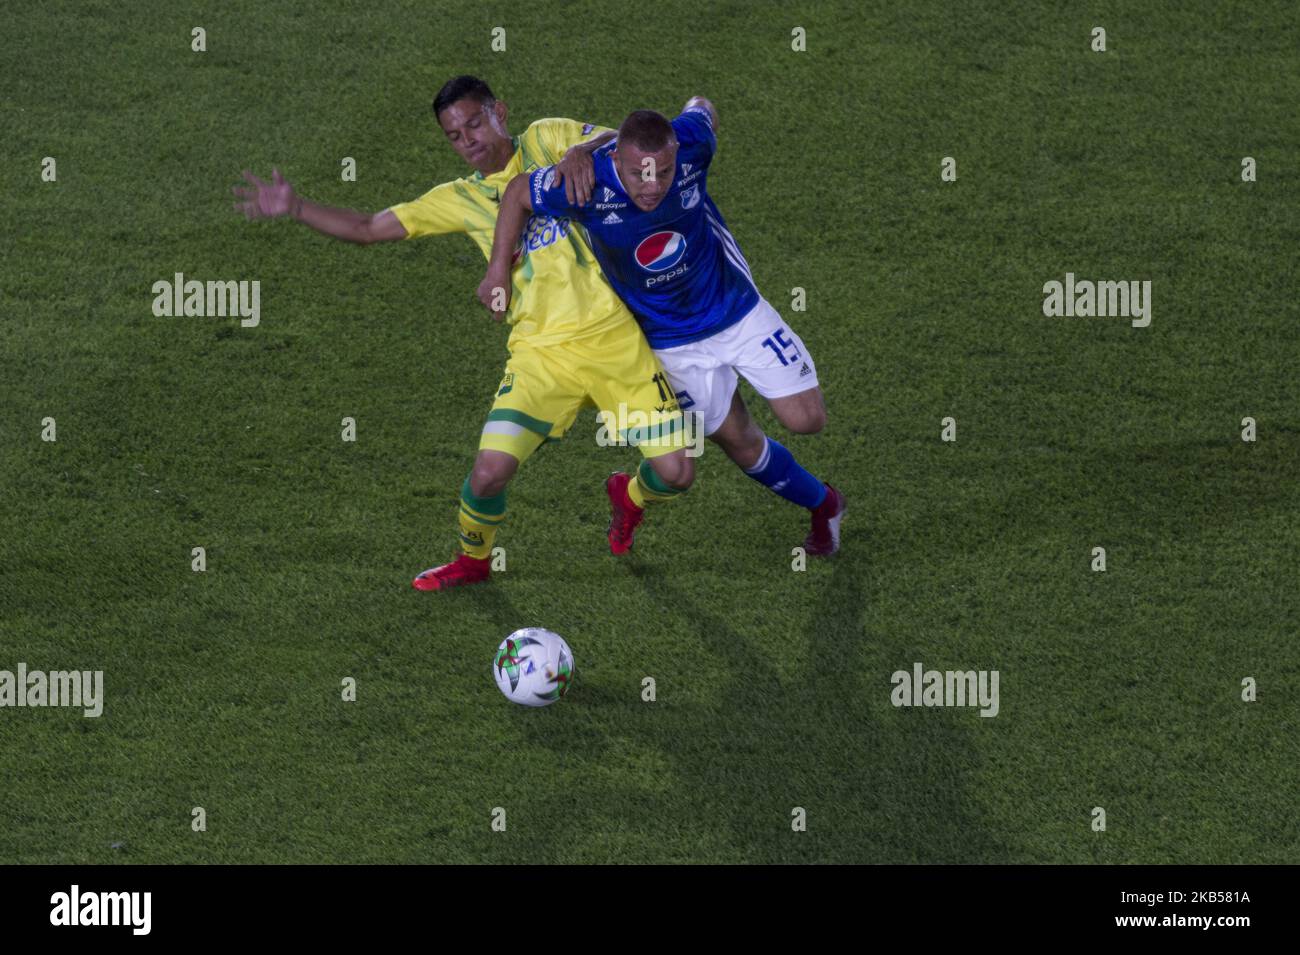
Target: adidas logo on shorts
(805, 370)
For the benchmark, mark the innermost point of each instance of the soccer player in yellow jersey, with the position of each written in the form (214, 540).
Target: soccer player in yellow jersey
(572, 341)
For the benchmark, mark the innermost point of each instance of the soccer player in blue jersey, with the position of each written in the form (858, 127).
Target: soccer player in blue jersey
(572, 341)
(666, 250)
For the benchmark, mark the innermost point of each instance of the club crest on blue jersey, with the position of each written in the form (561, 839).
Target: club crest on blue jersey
(660, 250)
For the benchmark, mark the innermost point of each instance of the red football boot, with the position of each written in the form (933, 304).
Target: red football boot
(463, 570)
(824, 538)
(624, 515)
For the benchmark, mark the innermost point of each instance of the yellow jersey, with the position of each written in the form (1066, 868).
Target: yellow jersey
(557, 289)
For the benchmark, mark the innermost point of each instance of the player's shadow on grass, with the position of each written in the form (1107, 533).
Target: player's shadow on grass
(494, 603)
(772, 744)
(884, 785)
(1116, 495)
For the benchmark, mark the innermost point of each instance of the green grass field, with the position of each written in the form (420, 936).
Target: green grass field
(1120, 690)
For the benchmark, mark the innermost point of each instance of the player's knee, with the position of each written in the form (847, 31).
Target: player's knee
(487, 483)
(491, 475)
(676, 470)
(802, 414)
(808, 421)
(684, 473)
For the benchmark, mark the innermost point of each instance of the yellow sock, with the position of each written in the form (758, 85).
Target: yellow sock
(479, 517)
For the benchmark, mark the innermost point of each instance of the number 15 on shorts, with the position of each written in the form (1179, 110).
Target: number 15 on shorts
(782, 347)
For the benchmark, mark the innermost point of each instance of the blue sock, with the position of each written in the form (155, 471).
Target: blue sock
(777, 470)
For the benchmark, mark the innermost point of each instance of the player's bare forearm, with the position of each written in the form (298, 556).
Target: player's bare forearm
(512, 216)
(516, 207)
(277, 199)
(349, 224)
(702, 102)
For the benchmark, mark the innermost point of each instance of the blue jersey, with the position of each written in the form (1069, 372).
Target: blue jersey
(677, 267)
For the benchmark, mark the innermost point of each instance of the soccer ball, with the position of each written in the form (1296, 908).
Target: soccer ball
(533, 667)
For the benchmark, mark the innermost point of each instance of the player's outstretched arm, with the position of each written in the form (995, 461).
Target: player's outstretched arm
(271, 200)
(702, 102)
(516, 206)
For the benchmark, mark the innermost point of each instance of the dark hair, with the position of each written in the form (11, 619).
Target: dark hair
(458, 88)
(646, 130)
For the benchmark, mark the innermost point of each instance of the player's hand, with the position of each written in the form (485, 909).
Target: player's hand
(265, 200)
(494, 291)
(578, 173)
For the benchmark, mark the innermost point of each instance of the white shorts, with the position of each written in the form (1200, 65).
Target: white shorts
(760, 346)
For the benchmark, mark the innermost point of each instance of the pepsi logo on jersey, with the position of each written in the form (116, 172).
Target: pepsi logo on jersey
(660, 250)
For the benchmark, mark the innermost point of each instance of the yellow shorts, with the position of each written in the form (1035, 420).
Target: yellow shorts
(614, 371)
